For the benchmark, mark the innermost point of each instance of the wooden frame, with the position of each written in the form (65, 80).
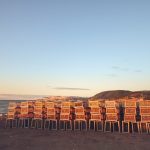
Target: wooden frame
(65, 110)
(145, 118)
(79, 110)
(12, 105)
(129, 118)
(65, 104)
(130, 110)
(111, 104)
(78, 104)
(93, 104)
(24, 110)
(64, 116)
(80, 117)
(24, 104)
(95, 110)
(144, 110)
(144, 103)
(49, 104)
(38, 104)
(50, 110)
(78, 125)
(51, 116)
(96, 117)
(30, 104)
(111, 126)
(128, 126)
(130, 103)
(111, 117)
(111, 110)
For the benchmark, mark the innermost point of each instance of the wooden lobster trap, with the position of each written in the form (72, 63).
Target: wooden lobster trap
(80, 122)
(144, 103)
(24, 119)
(80, 117)
(24, 104)
(11, 113)
(51, 116)
(79, 110)
(145, 116)
(129, 118)
(11, 122)
(111, 110)
(93, 103)
(129, 124)
(112, 122)
(65, 110)
(51, 121)
(111, 117)
(95, 122)
(37, 121)
(65, 123)
(24, 110)
(130, 110)
(38, 104)
(130, 103)
(78, 104)
(95, 110)
(12, 105)
(144, 110)
(37, 112)
(111, 104)
(49, 104)
(50, 110)
(95, 117)
(64, 117)
(65, 104)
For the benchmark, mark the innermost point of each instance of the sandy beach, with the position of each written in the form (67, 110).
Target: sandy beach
(36, 139)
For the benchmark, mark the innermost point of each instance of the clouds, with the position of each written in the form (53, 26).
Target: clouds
(68, 88)
(120, 68)
(138, 71)
(71, 88)
(112, 75)
(116, 70)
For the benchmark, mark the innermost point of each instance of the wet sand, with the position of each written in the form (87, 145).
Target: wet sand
(36, 139)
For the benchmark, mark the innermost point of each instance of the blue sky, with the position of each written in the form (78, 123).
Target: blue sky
(66, 47)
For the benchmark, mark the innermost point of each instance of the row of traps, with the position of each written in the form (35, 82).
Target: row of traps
(104, 126)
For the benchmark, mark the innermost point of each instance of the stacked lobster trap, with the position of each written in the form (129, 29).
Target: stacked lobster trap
(129, 123)
(11, 120)
(23, 118)
(37, 120)
(112, 120)
(65, 122)
(51, 120)
(95, 122)
(145, 116)
(80, 122)
(108, 116)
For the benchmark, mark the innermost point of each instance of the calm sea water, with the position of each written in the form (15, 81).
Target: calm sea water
(4, 105)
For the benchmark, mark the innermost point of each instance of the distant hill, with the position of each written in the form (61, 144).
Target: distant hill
(116, 94)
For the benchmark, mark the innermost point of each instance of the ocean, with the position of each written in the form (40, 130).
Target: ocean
(4, 105)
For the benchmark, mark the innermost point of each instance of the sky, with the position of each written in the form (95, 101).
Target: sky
(74, 47)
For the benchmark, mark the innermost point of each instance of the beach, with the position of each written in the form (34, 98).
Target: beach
(37, 139)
